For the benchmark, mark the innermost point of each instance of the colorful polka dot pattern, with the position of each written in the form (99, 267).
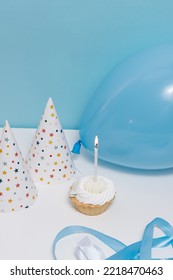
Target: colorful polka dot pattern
(49, 159)
(17, 189)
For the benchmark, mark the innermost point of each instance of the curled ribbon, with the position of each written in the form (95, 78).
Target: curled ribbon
(140, 250)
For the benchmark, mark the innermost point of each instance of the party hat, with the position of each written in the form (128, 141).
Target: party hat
(49, 159)
(17, 189)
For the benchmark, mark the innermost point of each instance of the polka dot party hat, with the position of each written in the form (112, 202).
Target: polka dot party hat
(17, 189)
(49, 159)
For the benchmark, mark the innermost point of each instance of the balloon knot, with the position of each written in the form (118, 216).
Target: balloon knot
(77, 147)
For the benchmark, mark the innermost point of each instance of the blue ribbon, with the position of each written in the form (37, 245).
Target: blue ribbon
(140, 250)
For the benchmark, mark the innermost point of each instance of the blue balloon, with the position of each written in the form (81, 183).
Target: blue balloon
(132, 112)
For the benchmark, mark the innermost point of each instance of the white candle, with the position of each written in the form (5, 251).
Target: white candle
(96, 144)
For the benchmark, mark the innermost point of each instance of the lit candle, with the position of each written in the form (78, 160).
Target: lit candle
(96, 144)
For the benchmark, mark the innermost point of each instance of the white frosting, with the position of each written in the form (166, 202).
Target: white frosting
(87, 191)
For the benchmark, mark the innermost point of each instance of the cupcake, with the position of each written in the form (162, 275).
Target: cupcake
(92, 197)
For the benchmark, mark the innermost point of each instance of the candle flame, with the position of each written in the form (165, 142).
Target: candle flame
(96, 142)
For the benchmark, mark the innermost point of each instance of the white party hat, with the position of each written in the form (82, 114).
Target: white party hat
(49, 159)
(17, 189)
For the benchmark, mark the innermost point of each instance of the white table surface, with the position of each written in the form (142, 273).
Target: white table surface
(141, 197)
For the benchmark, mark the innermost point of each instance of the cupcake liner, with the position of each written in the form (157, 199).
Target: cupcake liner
(89, 209)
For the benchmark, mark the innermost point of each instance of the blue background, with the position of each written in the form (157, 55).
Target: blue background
(64, 48)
